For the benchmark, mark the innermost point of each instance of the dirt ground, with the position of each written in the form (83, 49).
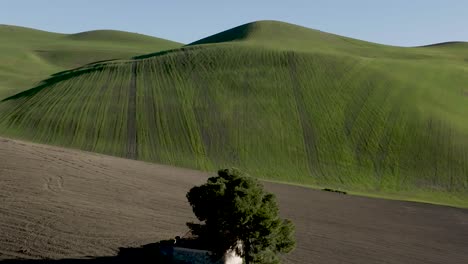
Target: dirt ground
(65, 204)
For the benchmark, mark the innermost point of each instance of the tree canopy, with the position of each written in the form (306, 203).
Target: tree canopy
(234, 209)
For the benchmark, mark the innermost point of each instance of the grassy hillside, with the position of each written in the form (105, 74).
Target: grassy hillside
(331, 111)
(29, 56)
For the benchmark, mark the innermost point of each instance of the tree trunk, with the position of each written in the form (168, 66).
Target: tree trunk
(247, 251)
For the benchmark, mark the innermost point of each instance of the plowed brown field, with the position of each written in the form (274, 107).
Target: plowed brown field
(66, 204)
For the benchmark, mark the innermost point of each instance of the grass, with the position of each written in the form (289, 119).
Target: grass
(29, 56)
(279, 101)
(457, 199)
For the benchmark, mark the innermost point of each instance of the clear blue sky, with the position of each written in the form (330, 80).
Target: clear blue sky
(395, 22)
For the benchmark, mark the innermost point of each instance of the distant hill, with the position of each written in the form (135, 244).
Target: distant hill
(280, 35)
(280, 101)
(30, 55)
(284, 36)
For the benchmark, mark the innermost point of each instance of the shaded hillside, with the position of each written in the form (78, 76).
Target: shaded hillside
(391, 123)
(30, 55)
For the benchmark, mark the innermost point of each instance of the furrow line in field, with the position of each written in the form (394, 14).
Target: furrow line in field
(131, 118)
(147, 137)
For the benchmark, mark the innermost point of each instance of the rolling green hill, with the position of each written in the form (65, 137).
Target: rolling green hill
(28, 56)
(280, 101)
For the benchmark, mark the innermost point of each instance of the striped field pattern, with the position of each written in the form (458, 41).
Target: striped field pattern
(358, 116)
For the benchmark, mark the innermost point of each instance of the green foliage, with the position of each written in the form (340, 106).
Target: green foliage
(282, 102)
(234, 207)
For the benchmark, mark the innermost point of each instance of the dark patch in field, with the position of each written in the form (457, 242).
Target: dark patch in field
(333, 190)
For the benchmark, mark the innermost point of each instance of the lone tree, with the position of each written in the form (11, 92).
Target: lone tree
(238, 214)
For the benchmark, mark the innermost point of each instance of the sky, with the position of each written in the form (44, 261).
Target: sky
(392, 22)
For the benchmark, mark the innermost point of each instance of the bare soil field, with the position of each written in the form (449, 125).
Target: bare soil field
(65, 204)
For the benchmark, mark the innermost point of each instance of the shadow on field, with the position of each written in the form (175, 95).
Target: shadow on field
(56, 78)
(144, 254)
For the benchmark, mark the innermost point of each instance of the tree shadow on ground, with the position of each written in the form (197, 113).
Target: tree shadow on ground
(145, 254)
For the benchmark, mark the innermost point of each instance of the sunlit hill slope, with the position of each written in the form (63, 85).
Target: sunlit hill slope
(280, 101)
